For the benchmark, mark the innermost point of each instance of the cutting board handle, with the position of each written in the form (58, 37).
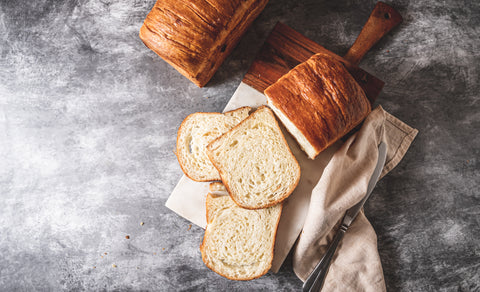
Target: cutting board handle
(382, 19)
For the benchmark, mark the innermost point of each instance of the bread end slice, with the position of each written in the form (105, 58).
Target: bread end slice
(238, 243)
(254, 161)
(194, 134)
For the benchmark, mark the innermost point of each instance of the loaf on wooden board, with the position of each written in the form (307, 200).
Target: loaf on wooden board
(318, 101)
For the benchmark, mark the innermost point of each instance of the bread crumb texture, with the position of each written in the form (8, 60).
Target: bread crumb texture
(255, 162)
(238, 243)
(195, 133)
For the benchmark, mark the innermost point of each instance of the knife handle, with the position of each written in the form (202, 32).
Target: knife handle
(316, 279)
(382, 19)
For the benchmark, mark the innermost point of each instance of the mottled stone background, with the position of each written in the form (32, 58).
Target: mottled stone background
(88, 120)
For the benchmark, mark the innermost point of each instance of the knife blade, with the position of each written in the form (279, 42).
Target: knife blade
(352, 213)
(316, 279)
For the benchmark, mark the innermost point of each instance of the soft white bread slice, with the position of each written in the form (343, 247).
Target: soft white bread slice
(194, 134)
(238, 243)
(254, 161)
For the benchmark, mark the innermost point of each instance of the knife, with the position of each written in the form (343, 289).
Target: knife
(316, 279)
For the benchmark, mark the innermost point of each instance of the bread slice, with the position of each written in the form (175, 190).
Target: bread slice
(254, 161)
(194, 134)
(238, 243)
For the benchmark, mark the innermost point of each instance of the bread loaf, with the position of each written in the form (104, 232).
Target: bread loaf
(318, 102)
(254, 161)
(195, 36)
(238, 243)
(195, 133)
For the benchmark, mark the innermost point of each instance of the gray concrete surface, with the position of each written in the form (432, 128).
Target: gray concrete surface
(88, 120)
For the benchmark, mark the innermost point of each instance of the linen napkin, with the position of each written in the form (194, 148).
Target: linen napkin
(356, 265)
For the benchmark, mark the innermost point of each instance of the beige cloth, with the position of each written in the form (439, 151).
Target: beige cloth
(356, 265)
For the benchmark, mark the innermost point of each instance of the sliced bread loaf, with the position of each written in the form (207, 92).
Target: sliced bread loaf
(196, 131)
(254, 161)
(238, 243)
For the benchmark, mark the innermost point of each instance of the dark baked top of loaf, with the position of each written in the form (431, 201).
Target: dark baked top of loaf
(321, 99)
(191, 26)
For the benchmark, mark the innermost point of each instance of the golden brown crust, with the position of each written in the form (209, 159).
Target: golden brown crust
(180, 129)
(207, 263)
(217, 186)
(195, 36)
(222, 174)
(321, 99)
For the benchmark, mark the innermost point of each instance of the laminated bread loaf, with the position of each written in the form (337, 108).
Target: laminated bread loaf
(195, 36)
(318, 101)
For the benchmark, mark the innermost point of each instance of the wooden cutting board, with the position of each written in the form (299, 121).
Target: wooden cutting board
(285, 48)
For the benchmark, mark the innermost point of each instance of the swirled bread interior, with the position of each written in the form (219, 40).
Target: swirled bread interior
(254, 161)
(238, 243)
